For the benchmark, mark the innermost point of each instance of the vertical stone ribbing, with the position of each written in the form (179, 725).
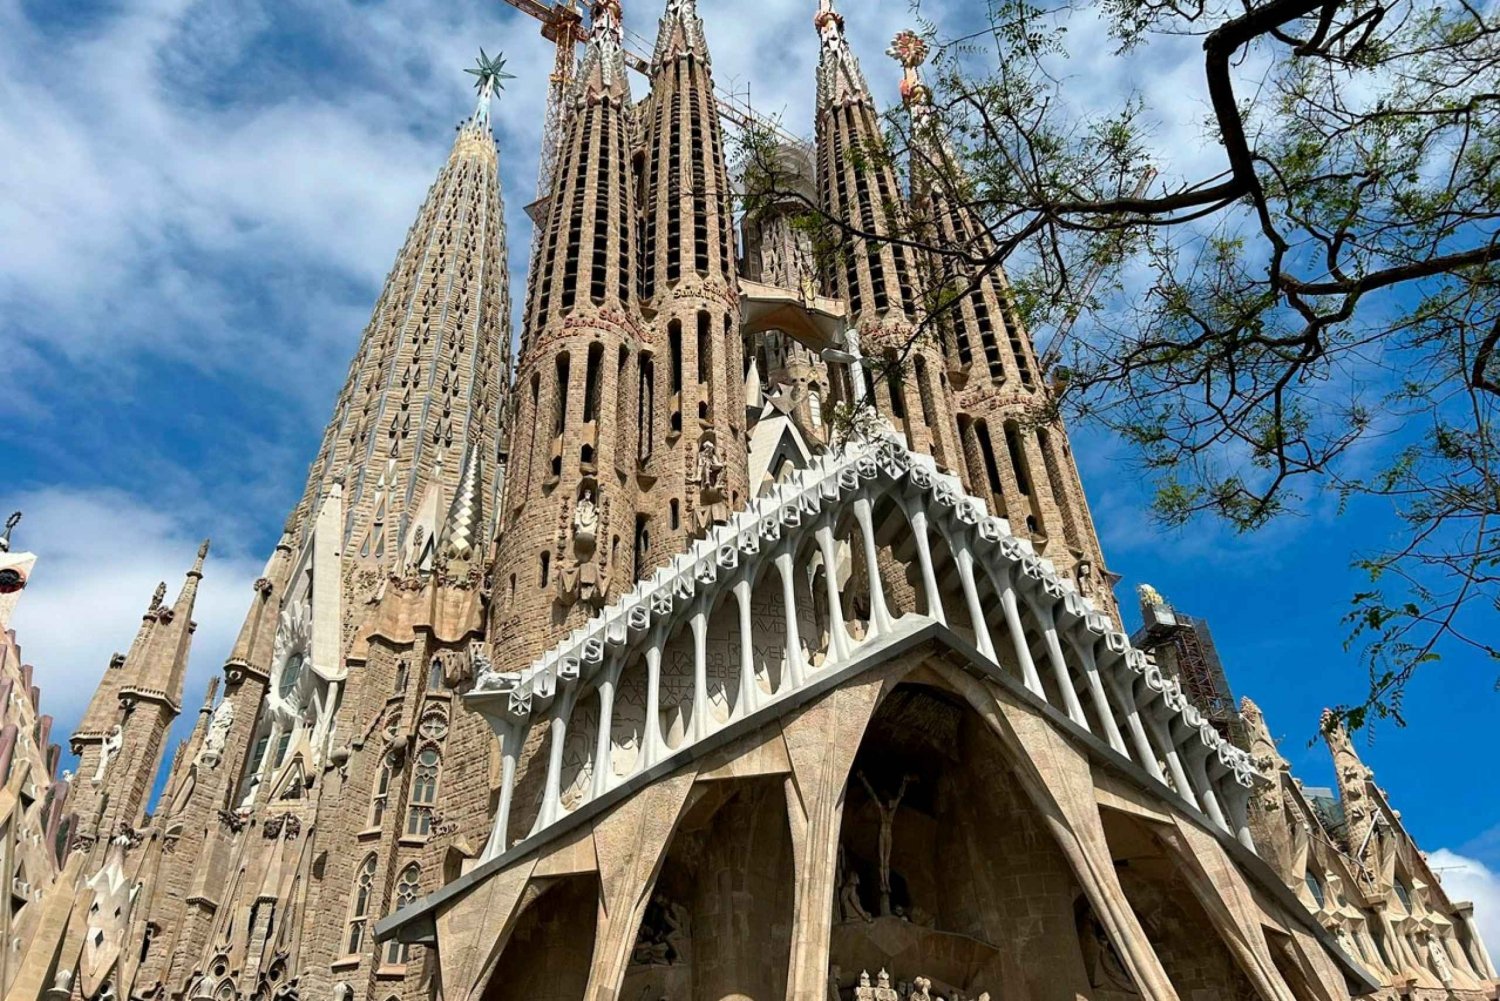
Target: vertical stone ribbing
(1014, 450)
(876, 275)
(690, 279)
(573, 460)
(430, 376)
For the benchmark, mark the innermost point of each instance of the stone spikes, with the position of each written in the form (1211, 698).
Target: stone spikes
(465, 521)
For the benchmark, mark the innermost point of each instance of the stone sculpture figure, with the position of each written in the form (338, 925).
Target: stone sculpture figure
(108, 748)
(712, 509)
(834, 975)
(864, 992)
(883, 989)
(1439, 958)
(581, 582)
(887, 810)
(159, 595)
(849, 905)
(218, 733)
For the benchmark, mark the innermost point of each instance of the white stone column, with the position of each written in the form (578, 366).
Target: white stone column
(838, 633)
(1477, 951)
(880, 616)
(1101, 702)
(512, 734)
(749, 689)
(965, 561)
(1017, 629)
(918, 520)
(608, 681)
(651, 753)
(794, 666)
(1145, 755)
(699, 624)
(1060, 667)
(562, 707)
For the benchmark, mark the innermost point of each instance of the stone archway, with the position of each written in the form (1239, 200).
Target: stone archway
(1179, 930)
(947, 870)
(548, 955)
(719, 921)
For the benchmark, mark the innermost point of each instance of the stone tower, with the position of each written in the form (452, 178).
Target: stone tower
(878, 278)
(1014, 450)
(357, 632)
(696, 457)
(570, 505)
(121, 740)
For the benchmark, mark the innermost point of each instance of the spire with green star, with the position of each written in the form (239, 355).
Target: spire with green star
(490, 77)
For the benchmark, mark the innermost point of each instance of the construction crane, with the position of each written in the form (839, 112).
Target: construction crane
(562, 25)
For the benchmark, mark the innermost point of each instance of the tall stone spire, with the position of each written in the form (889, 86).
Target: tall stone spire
(121, 738)
(875, 273)
(430, 374)
(1014, 450)
(569, 508)
(697, 457)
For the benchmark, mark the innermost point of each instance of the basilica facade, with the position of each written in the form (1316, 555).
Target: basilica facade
(738, 639)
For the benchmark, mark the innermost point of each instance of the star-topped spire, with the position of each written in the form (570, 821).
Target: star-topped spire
(602, 74)
(839, 78)
(490, 76)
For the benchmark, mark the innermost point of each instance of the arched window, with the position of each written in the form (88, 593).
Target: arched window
(408, 888)
(435, 675)
(359, 905)
(424, 785)
(381, 794)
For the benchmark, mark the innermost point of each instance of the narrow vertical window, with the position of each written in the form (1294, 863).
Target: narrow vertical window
(381, 795)
(359, 906)
(424, 785)
(408, 888)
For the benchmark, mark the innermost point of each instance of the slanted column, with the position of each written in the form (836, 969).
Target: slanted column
(699, 624)
(1012, 611)
(794, 666)
(512, 735)
(603, 774)
(965, 560)
(1156, 719)
(551, 798)
(1145, 754)
(1197, 756)
(918, 519)
(880, 616)
(838, 635)
(1478, 954)
(1060, 668)
(749, 690)
(1096, 695)
(654, 742)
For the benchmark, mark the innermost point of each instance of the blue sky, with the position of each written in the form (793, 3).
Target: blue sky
(198, 202)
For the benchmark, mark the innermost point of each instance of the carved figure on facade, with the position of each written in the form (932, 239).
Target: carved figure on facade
(886, 840)
(108, 748)
(709, 477)
(850, 907)
(216, 736)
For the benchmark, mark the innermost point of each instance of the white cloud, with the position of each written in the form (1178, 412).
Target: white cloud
(1469, 879)
(99, 555)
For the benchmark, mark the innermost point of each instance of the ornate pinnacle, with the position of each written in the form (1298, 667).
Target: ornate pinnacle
(197, 570)
(490, 76)
(10, 524)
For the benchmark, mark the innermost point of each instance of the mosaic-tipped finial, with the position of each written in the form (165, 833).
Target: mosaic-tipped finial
(10, 525)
